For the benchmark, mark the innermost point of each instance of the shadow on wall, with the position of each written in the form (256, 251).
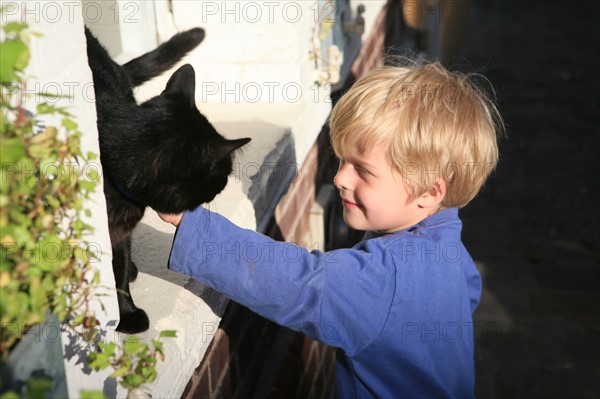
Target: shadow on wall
(151, 249)
(266, 171)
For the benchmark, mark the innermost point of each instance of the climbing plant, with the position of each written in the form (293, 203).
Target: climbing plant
(46, 262)
(46, 265)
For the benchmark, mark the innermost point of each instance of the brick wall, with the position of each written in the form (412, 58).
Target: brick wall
(309, 365)
(243, 359)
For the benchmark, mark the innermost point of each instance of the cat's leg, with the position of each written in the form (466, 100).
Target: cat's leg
(132, 270)
(132, 319)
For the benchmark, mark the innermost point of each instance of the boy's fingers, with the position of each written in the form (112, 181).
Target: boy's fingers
(174, 219)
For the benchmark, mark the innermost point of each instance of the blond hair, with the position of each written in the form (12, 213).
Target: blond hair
(437, 123)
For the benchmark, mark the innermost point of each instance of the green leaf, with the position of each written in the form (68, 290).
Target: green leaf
(168, 333)
(119, 372)
(38, 387)
(100, 362)
(149, 374)
(77, 320)
(11, 151)
(87, 186)
(108, 349)
(133, 381)
(133, 348)
(14, 27)
(21, 235)
(52, 201)
(158, 345)
(15, 57)
(69, 124)
(45, 108)
(92, 395)
(38, 297)
(9, 395)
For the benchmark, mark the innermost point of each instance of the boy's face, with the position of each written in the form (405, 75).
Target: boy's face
(373, 194)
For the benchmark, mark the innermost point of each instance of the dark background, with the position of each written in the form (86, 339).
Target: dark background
(534, 230)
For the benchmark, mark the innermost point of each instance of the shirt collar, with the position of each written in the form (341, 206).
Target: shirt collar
(439, 218)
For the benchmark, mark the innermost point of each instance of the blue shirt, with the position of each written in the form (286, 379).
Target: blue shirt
(397, 306)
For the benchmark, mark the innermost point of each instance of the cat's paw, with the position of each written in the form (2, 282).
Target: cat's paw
(132, 272)
(133, 323)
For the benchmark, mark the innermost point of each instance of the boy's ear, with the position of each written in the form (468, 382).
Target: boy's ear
(433, 197)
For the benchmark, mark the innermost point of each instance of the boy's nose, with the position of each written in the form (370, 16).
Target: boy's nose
(340, 180)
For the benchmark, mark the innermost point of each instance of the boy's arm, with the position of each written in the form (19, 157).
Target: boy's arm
(341, 298)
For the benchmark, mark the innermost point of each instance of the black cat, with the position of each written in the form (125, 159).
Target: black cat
(162, 153)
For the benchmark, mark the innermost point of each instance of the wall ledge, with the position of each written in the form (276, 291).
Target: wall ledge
(262, 174)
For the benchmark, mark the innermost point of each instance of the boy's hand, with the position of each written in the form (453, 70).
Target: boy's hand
(174, 219)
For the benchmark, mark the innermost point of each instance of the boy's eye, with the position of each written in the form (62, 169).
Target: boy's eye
(362, 170)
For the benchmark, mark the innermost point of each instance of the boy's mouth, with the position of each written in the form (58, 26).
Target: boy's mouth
(349, 204)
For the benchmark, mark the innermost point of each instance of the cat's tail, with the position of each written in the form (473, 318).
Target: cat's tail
(164, 57)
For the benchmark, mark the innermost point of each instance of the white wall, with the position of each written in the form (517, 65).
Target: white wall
(59, 66)
(125, 27)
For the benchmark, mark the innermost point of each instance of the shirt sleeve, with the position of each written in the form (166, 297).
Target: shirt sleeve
(341, 298)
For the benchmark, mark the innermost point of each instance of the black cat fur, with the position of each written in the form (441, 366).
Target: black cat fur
(162, 153)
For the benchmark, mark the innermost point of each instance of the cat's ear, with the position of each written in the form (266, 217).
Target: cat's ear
(224, 147)
(183, 84)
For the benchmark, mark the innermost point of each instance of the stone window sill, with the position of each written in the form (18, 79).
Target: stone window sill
(281, 135)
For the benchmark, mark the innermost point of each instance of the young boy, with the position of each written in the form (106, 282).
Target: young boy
(414, 145)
